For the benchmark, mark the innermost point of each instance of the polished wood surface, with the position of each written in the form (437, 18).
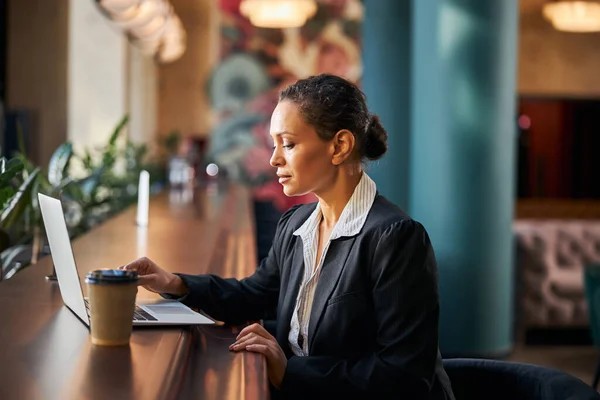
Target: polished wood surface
(46, 352)
(539, 208)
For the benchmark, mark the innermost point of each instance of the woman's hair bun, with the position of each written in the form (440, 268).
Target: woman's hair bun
(375, 139)
(331, 103)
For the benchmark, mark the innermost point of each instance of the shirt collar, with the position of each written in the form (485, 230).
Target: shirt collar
(353, 217)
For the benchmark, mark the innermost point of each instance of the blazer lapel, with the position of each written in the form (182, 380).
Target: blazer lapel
(289, 301)
(335, 259)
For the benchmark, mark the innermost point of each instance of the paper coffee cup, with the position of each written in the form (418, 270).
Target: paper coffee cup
(111, 295)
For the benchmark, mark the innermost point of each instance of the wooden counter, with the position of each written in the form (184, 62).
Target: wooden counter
(46, 352)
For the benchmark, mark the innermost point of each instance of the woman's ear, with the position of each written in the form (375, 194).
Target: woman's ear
(343, 145)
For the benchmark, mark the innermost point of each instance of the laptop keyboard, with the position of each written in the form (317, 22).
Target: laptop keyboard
(141, 315)
(138, 314)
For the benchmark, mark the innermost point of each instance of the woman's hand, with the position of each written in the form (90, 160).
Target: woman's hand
(255, 338)
(156, 279)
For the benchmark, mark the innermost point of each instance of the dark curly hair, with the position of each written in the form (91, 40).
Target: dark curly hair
(330, 103)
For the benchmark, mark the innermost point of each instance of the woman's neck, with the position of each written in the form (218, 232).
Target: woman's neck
(335, 198)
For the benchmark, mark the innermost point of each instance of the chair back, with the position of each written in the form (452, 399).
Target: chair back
(591, 278)
(476, 379)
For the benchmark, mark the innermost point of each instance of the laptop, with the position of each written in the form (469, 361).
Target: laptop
(147, 312)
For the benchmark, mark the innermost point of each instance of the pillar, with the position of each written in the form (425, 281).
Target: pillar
(442, 76)
(142, 97)
(386, 83)
(462, 164)
(36, 74)
(97, 76)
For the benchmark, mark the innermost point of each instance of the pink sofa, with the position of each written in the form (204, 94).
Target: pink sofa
(551, 255)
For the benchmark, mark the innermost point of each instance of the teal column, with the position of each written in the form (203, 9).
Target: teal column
(386, 83)
(462, 163)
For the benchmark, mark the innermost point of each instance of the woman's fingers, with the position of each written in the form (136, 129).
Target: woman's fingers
(259, 348)
(241, 342)
(249, 333)
(257, 329)
(147, 280)
(142, 265)
(253, 340)
(150, 276)
(150, 282)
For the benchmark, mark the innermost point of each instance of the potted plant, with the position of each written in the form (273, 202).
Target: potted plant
(110, 185)
(14, 203)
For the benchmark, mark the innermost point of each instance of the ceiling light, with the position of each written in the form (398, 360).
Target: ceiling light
(151, 25)
(278, 13)
(573, 16)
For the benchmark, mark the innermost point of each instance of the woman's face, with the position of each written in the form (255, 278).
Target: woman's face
(303, 160)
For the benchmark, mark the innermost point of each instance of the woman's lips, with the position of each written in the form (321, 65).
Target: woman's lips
(283, 179)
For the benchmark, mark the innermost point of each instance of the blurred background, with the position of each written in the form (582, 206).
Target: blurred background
(492, 107)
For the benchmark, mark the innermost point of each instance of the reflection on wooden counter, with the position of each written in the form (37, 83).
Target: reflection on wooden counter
(46, 352)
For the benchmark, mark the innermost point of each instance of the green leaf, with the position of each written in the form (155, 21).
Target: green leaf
(21, 139)
(19, 202)
(73, 191)
(115, 135)
(111, 153)
(4, 241)
(12, 163)
(90, 184)
(6, 193)
(59, 163)
(68, 181)
(8, 170)
(34, 213)
(108, 158)
(140, 154)
(87, 160)
(28, 166)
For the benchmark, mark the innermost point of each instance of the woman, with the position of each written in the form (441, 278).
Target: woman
(353, 278)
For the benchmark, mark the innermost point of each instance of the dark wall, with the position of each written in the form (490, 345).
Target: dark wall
(36, 72)
(2, 70)
(2, 49)
(560, 148)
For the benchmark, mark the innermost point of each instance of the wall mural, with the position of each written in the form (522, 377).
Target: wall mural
(255, 63)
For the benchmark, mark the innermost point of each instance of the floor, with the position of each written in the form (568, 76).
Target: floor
(579, 361)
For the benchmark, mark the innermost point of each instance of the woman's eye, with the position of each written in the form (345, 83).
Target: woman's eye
(285, 146)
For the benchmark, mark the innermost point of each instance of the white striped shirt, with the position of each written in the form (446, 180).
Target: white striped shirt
(351, 221)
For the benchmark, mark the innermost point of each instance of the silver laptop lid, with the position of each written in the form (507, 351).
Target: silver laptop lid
(62, 256)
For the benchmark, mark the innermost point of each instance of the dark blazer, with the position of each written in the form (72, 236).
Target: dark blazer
(373, 328)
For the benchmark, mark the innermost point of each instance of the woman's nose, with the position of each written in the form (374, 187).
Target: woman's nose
(276, 159)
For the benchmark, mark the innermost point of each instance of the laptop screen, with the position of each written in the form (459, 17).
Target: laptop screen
(62, 256)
